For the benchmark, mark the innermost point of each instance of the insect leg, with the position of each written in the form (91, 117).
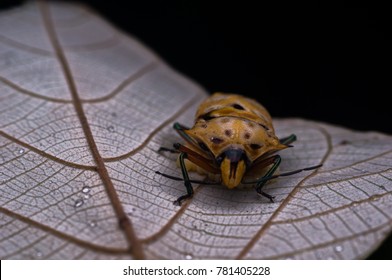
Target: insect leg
(164, 149)
(197, 159)
(265, 179)
(179, 128)
(187, 183)
(275, 161)
(194, 157)
(288, 140)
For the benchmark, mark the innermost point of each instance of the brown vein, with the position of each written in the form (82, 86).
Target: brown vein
(86, 16)
(358, 162)
(46, 155)
(143, 70)
(21, 46)
(360, 176)
(62, 235)
(175, 217)
(31, 93)
(82, 17)
(155, 131)
(333, 210)
(107, 43)
(339, 240)
(125, 224)
(270, 222)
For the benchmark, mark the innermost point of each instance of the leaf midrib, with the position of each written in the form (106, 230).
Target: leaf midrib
(135, 248)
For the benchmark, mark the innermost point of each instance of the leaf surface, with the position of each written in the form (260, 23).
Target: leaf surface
(83, 111)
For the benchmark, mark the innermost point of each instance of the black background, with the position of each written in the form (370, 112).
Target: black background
(323, 62)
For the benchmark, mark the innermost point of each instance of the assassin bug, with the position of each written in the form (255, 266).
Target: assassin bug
(232, 137)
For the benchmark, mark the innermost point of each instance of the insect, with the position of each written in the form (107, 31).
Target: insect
(232, 138)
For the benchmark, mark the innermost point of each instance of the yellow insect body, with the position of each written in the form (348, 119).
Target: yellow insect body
(232, 122)
(232, 137)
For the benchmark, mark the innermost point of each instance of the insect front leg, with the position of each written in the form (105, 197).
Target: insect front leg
(165, 149)
(288, 140)
(180, 130)
(187, 183)
(275, 161)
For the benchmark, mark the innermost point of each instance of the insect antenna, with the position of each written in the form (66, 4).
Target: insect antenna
(264, 179)
(192, 181)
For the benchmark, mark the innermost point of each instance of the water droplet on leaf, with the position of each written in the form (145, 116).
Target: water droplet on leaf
(131, 211)
(86, 189)
(92, 223)
(338, 248)
(21, 151)
(79, 202)
(110, 128)
(188, 257)
(38, 254)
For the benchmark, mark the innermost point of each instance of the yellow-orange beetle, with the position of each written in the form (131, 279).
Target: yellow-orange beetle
(232, 136)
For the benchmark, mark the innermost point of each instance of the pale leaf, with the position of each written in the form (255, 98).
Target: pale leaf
(83, 111)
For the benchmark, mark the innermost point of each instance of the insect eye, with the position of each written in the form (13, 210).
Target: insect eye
(237, 106)
(203, 146)
(255, 146)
